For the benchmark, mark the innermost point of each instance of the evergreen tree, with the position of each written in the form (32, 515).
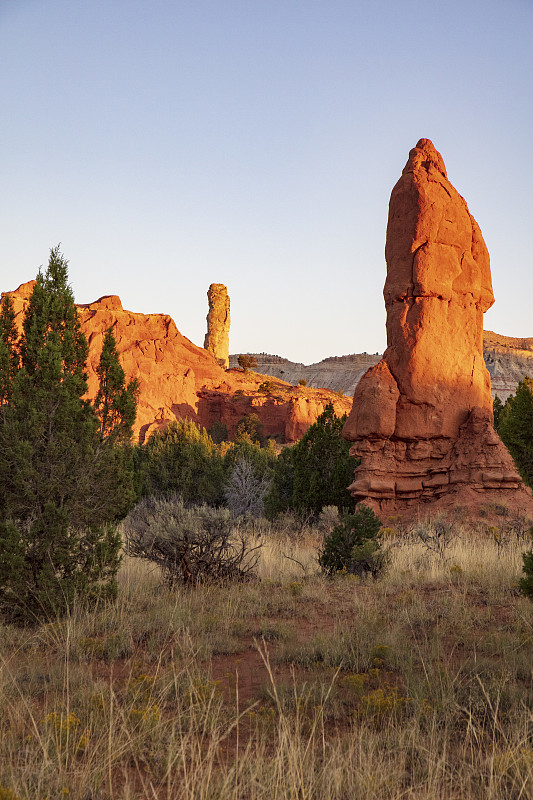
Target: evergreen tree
(497, 410)
(526, 583)
(9, 356)
(263, 459)
(278, 499)
(315, 472)
(116, 408)
(323, 467)
(246, 362)
(250, 428)
(354, 545)
(182, 459)
(516, 428)
(62, 490)
(115, 403)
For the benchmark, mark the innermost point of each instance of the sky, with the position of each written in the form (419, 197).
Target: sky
(171, 144)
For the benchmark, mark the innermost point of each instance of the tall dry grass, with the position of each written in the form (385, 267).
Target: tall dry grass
(417, 685)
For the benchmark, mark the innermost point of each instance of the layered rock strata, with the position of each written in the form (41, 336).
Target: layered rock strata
(338, 373)
(508, 360)
(179, 380)
(421, 420)
(218, 322)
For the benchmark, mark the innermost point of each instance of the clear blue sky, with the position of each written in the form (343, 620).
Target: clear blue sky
(174, 143)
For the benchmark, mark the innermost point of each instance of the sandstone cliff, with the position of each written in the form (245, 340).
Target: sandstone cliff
(179, 380)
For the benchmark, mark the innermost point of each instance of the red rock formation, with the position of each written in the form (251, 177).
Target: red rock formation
(218, 321)
(179, 380)
(421, 420)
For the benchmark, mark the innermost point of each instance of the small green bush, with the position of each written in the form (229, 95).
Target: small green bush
(354, 545)
(247, 361)
(218, 432)
(526, 583)
(267, 387)
(250, 429)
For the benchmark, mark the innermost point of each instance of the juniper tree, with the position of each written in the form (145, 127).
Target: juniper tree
(62, 489)
(9, 356)
(182, 459)
(516, 428)
(246, 362)
(116, 402)
(497, 409)
(316, 471)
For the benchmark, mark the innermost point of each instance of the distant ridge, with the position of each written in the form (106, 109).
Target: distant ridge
(337, 373)
(508, 359)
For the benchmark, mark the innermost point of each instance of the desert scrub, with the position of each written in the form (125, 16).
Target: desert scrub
(416, 685)
(354, 545)
(189, 545)
(436, 535)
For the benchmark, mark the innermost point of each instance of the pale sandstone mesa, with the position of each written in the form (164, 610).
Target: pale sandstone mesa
(218, 321)
(421, 420)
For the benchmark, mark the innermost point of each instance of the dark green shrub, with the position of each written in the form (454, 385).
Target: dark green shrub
(354, 545)
(315, 472)
(515, 426)
(497, 408)
(184, 459)
(263, 459)
(246, 362)
(278, 499)
(526, 583)
(250, 428)
(267, 386)
(218, 432)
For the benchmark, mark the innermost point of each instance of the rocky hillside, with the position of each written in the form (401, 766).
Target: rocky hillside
(179, 380)
(508, 360)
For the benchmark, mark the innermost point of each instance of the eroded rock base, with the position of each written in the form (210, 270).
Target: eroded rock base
(398, 474)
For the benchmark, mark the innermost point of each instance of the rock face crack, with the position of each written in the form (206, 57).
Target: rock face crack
(421, 420)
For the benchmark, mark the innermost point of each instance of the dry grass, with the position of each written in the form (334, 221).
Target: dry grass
(417, 685)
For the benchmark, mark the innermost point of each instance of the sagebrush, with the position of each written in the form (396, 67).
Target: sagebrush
(190, 545)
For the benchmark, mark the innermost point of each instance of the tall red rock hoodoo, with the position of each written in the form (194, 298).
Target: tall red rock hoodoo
(421, 420)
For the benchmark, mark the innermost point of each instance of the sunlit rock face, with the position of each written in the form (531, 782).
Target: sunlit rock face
(179, 380)
(218, 322)
(421, 421)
